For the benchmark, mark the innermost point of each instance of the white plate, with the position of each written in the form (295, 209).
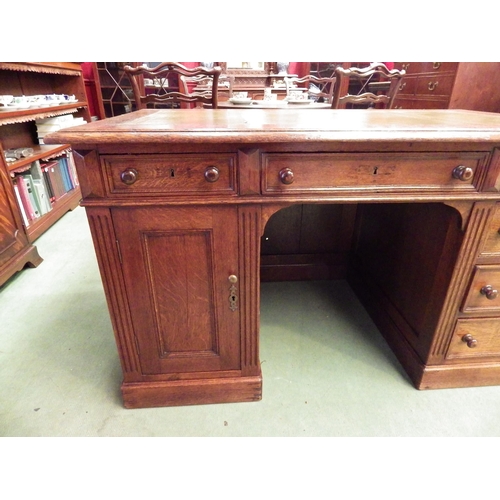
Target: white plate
(248, 100)
(299, 101)
(14, 107)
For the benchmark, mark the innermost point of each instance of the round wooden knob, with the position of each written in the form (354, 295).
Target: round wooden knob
(286, 175)
(212, 174)
(463, 173)
(129, 176)
(469, 340)
(489, 292)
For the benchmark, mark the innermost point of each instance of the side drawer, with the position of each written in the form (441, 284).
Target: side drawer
(475, 338)
(175, 174)
(483, 291)
(330, 172)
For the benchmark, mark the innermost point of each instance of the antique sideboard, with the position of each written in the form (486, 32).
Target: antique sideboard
(178, 200)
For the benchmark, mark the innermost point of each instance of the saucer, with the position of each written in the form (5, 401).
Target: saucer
(299, 101)
(247, 100)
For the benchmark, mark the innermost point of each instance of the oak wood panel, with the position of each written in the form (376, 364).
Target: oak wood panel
(176, 266)
(330, 172)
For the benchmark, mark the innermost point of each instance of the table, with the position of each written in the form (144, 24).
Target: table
(177, 201)
(274, 104)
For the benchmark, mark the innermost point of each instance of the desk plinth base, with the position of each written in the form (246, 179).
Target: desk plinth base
(192, 392)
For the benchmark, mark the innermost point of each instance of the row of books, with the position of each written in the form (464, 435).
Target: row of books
(42, 184)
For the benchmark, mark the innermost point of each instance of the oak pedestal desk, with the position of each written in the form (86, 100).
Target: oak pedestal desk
(177, 202)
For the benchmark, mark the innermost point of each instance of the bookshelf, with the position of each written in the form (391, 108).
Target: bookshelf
(114, 90)
(54, 95)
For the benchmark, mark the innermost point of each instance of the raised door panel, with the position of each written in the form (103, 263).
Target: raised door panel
(12, 238)
(177, 263)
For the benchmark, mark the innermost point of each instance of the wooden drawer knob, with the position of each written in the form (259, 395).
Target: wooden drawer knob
(469, 340)
(463, 173)
(489, 292)
(129, 176)
(286, 175)
(212, 174)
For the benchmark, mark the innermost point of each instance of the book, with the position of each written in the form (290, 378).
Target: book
(54, 174)
(72, 169)
(50, 191)
(63, 165)
(32, 193)
(25, 198)
(37, 174)
(21, 205)
(45, 205)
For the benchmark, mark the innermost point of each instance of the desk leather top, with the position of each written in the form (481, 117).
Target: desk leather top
(274, 125)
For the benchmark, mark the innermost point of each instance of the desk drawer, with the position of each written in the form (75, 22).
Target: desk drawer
(475, 338)
(330, 172)
(483, 291)
(176, 174)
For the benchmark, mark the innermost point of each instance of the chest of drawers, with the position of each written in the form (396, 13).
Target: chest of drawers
(449, 85)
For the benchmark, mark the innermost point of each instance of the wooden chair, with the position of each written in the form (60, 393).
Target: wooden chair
(369, 99)
(163, 75)
(319, 87)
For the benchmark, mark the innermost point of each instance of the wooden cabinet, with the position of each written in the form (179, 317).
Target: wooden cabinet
(182, 280)
(476, 336)
(18, 130)
(449, 85)
(15, 249)
(178, 206)
(113, 88)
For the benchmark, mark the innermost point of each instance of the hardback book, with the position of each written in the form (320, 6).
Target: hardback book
(38, 175)
(50, 191)
(45, 205)
(72, 169)
(32, 193)
(21, 205)
(25, 198)
(54, 174)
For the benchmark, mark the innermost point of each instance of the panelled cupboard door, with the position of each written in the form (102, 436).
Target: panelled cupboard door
(180, 266)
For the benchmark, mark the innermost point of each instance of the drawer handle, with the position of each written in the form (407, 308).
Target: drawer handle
(432, 85)
(402, 86)
(469, 340)
(436, 65)
(489, 292)
(286, 175)
(212, 174)
(129, 176)
(463, 173)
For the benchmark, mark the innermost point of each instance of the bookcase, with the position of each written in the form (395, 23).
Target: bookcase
(114, 90)
(53, 95)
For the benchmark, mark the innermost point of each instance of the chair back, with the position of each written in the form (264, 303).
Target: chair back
(160, 93)
(318, 87)
(380, 70)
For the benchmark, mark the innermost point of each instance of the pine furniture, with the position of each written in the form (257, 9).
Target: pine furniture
(178, 201)
(17, 130)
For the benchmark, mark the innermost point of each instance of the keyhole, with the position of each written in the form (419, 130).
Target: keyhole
(172, 173)
(375, 170)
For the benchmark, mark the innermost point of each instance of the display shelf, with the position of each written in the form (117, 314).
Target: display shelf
(18, 130)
